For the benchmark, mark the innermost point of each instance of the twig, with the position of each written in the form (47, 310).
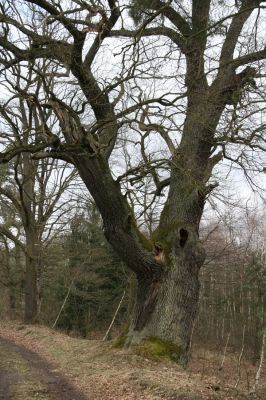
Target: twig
(63, 305)
(114, 317)
(225, 349)
(241, 356)
(262, 355)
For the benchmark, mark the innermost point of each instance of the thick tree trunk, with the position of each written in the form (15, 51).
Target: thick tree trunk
(165, 310)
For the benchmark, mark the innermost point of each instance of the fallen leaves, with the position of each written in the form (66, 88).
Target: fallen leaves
(103, 373)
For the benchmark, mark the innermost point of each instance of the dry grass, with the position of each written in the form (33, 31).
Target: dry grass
(104, 373)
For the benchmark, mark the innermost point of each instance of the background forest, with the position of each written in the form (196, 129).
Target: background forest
(82, 281)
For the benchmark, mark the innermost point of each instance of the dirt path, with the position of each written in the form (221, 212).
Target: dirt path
(24, 375)
(8, 377)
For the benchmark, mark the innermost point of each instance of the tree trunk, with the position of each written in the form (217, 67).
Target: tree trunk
(31, 306)
(12, 303)
(165, 309)
(31, 281)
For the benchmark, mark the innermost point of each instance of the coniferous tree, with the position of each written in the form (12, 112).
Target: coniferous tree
(97, 275)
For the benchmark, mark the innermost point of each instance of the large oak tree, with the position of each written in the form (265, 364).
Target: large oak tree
(185, 74)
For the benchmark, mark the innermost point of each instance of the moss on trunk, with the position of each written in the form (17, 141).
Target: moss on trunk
(157, 348)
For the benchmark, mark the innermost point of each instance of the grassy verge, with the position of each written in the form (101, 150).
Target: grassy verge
(103, 372)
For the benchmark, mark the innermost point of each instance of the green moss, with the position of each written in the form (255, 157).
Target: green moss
(162, 238)
(156, 348)
(163, 234)
(121, 339)
(165, 237)
(146, 243)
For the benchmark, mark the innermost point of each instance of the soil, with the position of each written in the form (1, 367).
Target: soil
(44, 382)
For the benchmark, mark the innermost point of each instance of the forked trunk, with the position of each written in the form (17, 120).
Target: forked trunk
(166, 266)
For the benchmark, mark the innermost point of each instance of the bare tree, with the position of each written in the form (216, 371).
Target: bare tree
(34, 188)
(187, 78)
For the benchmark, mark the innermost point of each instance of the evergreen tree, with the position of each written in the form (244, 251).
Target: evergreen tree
(98, 276)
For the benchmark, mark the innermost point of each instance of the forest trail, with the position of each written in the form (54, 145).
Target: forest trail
(24, 375)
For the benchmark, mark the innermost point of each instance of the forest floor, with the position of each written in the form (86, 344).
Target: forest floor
(37, 363)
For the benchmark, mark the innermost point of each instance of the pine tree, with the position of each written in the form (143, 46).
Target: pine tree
(98, 275)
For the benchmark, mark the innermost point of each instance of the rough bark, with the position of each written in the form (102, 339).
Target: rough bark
(173, 315)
